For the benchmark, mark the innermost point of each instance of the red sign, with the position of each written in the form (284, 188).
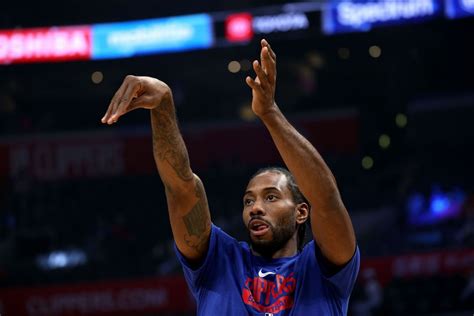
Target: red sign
(115, 153)
(67, 157)
(416, 265)
(117, 298)
(238, 27)
(45, 44)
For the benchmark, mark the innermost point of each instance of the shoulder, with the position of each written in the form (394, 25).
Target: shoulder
(224, 243)
(341, 278)
(224, 251)
(221, 235)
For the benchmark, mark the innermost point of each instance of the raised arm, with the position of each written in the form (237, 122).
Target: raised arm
(330, 223)
(187, 203)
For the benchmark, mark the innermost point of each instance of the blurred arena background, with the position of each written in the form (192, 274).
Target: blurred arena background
(385, 90)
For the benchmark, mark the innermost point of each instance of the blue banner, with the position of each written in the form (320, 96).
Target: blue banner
(459, 8)
(173, 34)
(341, 16)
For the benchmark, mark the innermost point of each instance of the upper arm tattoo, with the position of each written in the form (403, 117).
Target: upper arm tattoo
(197, 221)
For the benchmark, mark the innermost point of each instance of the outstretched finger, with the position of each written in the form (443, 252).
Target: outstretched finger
(111, 107)
(254, 85)
(124, 103)
(115, 102)
(106, 115)
(265, 43)
(262, 76)
(269, 65)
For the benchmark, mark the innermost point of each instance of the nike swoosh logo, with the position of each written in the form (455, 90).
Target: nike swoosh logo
(264, 274)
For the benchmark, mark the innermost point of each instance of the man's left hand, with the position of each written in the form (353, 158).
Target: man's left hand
(263, 86)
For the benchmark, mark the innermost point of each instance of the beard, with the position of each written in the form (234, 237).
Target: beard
(282, 232)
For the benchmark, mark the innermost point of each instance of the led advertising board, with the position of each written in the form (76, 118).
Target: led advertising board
(242, 27)
(342, 16)
(127, 39)
(45, 44)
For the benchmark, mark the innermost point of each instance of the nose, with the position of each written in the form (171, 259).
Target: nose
(257, 209)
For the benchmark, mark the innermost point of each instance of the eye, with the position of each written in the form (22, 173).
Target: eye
(271, 197)
(248, 202)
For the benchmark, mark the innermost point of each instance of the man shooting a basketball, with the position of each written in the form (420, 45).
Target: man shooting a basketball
(275, 274)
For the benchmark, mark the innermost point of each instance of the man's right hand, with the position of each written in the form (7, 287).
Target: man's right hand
(134, 93)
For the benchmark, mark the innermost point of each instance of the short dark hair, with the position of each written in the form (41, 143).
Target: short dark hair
(298, 197)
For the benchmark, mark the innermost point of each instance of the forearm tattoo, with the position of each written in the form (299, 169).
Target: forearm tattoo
(168, 145)
(196, 221)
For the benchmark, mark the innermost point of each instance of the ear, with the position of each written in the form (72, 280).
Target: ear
(302, 213)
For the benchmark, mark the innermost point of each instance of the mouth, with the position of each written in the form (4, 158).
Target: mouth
(258, 227)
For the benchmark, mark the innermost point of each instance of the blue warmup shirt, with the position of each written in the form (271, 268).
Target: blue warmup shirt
(232, 281)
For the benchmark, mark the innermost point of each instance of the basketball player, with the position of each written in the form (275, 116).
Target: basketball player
(274, 275)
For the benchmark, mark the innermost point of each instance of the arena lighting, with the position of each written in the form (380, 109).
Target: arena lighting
(401, 120)
(315, 59)
(61, 259)
(467, 5)
(375, 51)
(246, 113)
(440, 205)
(238, 27)
(459, 8)
(344, 53)
(245, 64)
(97, 77)
(384, 141)
(234, 66)
(367, 162)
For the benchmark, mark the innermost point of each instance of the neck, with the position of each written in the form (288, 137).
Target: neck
(289, 249)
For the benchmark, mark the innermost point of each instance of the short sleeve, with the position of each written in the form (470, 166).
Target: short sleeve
(344, 279)
(197, 277)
